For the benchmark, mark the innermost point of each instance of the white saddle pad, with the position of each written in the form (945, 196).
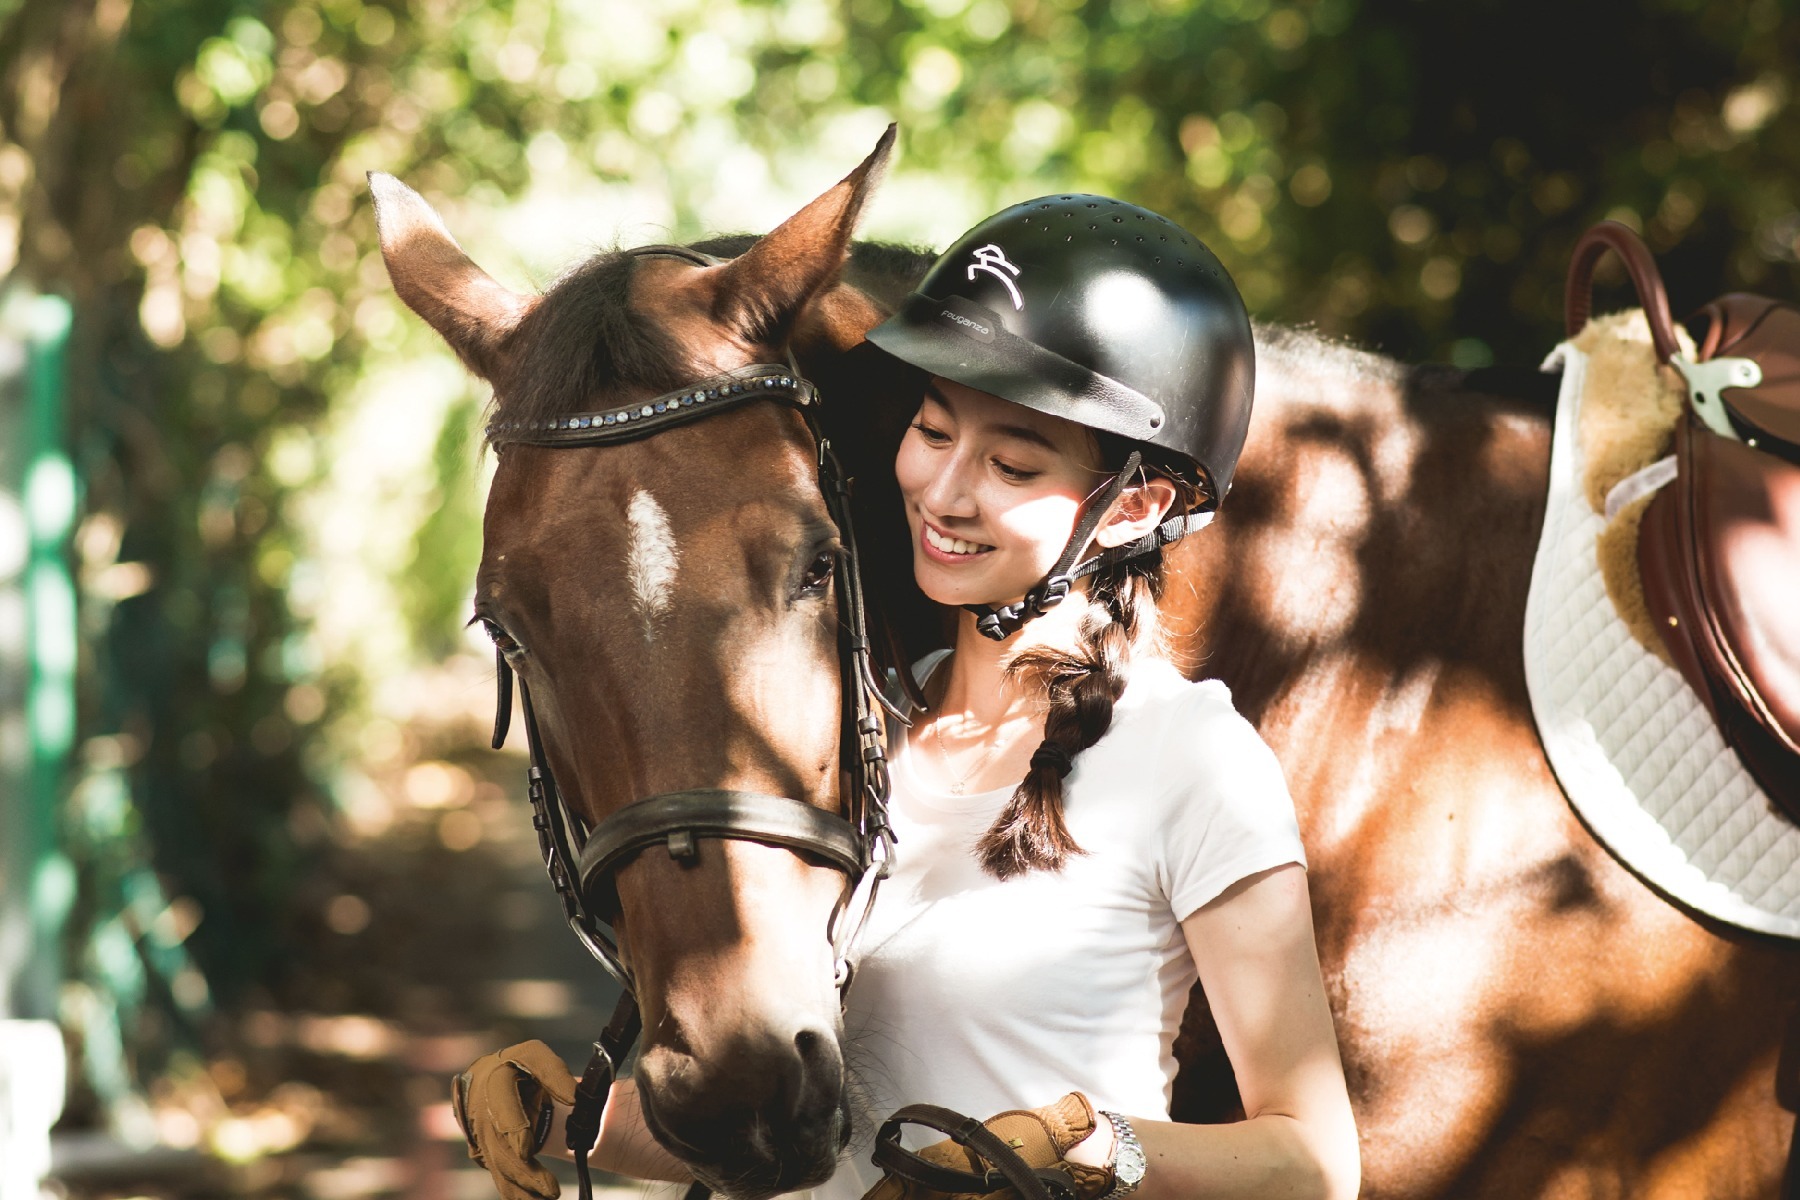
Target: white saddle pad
(1632, 746)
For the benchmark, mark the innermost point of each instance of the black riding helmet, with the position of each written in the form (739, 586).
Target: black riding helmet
(1105, 314)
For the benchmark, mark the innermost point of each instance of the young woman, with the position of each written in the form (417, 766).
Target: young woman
(1082, 832)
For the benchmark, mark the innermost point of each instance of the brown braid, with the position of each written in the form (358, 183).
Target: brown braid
(1081, 686)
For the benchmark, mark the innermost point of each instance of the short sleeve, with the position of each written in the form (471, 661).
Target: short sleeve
(1228, 813)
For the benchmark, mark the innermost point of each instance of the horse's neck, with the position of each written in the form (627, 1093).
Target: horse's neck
(1382, 526)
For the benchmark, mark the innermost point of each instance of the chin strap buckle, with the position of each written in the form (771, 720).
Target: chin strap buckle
(997, 623)
(1048, 594)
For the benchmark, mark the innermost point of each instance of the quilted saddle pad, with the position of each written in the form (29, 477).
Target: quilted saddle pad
(1631, 745)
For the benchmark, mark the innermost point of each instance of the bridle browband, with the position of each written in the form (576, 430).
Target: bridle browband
(582, 862)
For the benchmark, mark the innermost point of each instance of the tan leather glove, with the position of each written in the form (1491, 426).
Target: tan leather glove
(1040, 1136)
(503, 1103)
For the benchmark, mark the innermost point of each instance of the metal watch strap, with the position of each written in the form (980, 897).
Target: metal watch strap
(1128, 1159)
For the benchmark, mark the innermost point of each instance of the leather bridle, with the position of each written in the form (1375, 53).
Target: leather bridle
(581, 861)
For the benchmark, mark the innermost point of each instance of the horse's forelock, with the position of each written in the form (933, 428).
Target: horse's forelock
(585, 340)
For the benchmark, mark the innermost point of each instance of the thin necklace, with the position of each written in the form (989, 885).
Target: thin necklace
(959, 784)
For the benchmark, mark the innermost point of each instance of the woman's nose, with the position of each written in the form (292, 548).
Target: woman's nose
(949, 493)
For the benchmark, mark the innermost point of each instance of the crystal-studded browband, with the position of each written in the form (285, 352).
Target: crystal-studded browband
(645, 417)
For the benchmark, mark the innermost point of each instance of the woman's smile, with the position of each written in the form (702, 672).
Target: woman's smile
(948, 548)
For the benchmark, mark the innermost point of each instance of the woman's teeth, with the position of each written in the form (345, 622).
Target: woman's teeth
(951, 545)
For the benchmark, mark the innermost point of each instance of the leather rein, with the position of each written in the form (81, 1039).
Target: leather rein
(582, 861)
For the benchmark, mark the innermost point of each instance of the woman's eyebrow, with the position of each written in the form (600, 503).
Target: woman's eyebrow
(1023, 433)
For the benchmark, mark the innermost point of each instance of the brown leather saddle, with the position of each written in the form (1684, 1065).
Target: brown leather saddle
(1719, 547)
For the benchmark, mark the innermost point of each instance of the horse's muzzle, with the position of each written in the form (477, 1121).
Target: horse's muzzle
(754, 1122)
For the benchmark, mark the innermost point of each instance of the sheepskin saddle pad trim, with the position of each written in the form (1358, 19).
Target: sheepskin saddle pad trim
(1631, 744)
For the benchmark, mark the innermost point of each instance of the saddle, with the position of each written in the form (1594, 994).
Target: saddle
(1719, 544)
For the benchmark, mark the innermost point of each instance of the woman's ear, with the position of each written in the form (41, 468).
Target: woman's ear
(1137, 511)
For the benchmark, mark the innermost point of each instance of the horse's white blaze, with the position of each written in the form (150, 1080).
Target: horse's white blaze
(650, 559)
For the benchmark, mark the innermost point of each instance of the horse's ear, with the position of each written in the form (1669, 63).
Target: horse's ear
(438, 281)
(762, 291)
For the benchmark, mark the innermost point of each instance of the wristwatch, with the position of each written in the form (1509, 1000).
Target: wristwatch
(1128, 1157)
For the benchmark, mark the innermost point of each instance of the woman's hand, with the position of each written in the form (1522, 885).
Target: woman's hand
(512, 1106)
(504, 1104)
(1043, 1138)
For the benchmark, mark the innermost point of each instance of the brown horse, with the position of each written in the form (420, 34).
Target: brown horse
(668, 605)
(1520, 1017)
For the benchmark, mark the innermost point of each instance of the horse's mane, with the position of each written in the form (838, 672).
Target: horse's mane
(1283, 350)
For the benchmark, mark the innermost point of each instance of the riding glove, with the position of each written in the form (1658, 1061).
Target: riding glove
(1040, 1136)
(503, 1103)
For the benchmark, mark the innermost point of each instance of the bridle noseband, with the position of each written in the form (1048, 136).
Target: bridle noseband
(581, 861)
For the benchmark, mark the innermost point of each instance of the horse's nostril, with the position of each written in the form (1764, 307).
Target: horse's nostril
(821, 1073)
(817, 1050)
(808, 1042)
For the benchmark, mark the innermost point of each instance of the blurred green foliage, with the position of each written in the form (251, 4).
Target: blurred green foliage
(282, 485)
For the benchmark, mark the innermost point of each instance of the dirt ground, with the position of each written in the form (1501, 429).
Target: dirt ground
(429, 936)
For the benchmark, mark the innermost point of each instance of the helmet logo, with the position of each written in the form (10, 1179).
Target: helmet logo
(992, 259)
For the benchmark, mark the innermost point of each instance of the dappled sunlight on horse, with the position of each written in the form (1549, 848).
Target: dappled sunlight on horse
(1519, 1016)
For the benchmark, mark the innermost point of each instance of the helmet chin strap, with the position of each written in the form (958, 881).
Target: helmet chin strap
(999, 622)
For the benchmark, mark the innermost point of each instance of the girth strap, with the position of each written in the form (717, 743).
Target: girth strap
(678, 818)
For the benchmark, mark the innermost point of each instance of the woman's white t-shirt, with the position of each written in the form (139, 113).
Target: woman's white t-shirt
(982, 995)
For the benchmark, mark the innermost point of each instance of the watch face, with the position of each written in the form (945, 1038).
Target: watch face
(1130, 1167)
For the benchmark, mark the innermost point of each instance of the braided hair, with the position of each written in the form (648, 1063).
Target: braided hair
(1080, 686)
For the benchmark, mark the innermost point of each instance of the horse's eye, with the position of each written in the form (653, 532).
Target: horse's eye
(818, 573)
(503, 641)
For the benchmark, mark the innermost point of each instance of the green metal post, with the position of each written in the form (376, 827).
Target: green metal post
(38, 504)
